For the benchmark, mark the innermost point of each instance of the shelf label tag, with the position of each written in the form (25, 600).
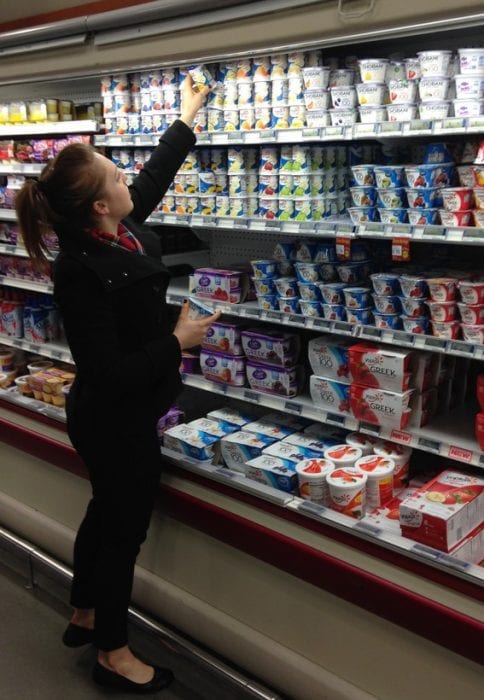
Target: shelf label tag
(335, 418)
(251, 312)
(460, 454)
(461, 348)
(267, 135)
(453, 562)
(427, 552)
(342, 327)
(344, 229)
(429, 445)
(297, 320)
(401, 249)
(368, 331)
(322, 323)
(401, 437)
(343, 247)
(293, 407)
(313, 508)
(310, 134)
(367, 527)
(273, 315)
(370, 428)
(251, 396)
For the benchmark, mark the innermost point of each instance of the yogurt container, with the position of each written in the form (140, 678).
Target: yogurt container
(389, 176)
(363, 175)
(422, 217)
(223, 337)
(264, 285)
(455, 218)
(334, 312)
(317, 118)
(347, 488)
(400, 456)
(286, 286)
(466, 175)
(373, 70)
(263, 268)
(316, 99)
(468, 107)
(403, 112)
(391, 198)
(433, 88)
(402, 91)
(353, 273)
(414, 307)
(372, 114)
(412, 68)
(268, 302)
(371, 93)
(307, 272)
(414, 287)
(448, 330)
(269, 208)
(343, 97)
(479, 198)
(424, 198)
(434, 110)
(363, 196)
(393, 216)
(471, 61)
(471, 293)
(420, 324)
(309, 291)
(387, 304)
(357, 297)
(469, 86)
(379, 485)
(343, 455)
(442, 289)
(473, 333)
(359, 316)
(365, 443)
(442, 311)
(471, 314)
(341, 77)
(434, 63)
(478, 216)
(457, 198)
(316, 77)
(312, 474)
(385, 284)
(242, 446)
(270, 379)
(192, 442)
(343, 117)
(360, 215)
(219, 367)
(332, 293)
(420, 176)
(310, 308)
(271, 347)
(289, 305)
(384, 321)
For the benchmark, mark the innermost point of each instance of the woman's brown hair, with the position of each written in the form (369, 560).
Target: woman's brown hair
(61, 198)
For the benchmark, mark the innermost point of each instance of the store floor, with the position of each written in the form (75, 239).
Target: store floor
(34, 664)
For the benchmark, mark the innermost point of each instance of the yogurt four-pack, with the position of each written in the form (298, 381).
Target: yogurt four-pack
(273, 471)
(240, 447)
(308, 442)
(271, 346)
(329, 394)
(219, 285)
(218, 367)
(379, 407)
(264, 427)
(217, 428)
(329, 357)
(380, 367)
(224, 337)
(191, 442)
(231, 415)
(293, 453)
(273, 380)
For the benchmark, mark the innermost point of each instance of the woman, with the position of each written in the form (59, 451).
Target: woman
(110, 285)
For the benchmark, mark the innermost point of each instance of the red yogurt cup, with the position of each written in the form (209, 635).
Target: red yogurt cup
(472, 314)
(442, 310)
(442, 288)
(471, 293)
(449, 330)
(457, 198)
(456, 218)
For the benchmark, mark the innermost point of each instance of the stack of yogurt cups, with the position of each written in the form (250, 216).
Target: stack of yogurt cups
(243, 181)
(469, 83)
(372, 91)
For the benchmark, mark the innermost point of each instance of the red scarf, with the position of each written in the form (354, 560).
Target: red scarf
(122, 239)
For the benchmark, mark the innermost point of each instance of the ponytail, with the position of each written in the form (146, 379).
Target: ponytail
(62, 199)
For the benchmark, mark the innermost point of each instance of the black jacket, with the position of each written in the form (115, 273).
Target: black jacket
(113, 306)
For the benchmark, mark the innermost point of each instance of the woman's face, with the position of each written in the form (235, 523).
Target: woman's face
(116, 202)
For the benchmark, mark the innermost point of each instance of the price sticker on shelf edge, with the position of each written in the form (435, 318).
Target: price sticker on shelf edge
(368, 528)
(297, 320)
(370, 428)
(293, 407)
(429, 445)
(401, 249)
(252, 396)
(335, 418)
(460, 454)
(313, 508)
(343, 247)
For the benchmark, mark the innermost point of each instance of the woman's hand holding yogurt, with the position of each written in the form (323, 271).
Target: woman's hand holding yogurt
(190, 332)
(192, 98)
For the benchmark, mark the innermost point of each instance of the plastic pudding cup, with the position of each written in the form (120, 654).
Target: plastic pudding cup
(311, 475)
(365, 443)
(23, 385)
(343, 455)
(379, 485)
(347, 489)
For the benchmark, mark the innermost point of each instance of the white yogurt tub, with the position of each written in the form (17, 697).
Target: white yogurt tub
(317, 118)
(434, 110)
(311, 476)
(343, 117)
(402, 91)
(371, 93)
(433, 88)
(435, 63)
(316, 77)
(471, 61)
(341, 77)
(379, 485)
(400, 456)
(373, 70)
(401, 112)
(469, 86)
(473, 333)
(468, 107)
(316, 98)
(372, 114)
(412, 68)
(347, 490)
(343, 97)
(343, 455)
(365, 443)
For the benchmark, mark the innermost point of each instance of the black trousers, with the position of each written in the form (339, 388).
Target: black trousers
(124, 465)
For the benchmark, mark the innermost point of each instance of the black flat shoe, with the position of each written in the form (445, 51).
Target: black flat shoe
(109, 679)
(77, 636)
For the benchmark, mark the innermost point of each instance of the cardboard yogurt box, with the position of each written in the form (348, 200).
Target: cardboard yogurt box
(240, 447)
(444, 511)
(263, 427)
(212, 426)
(231, 416)
(273, 471)
(330, 394)
(293, 453)
(308, 441)
(271, 379)
(379, 407)
(219, 367)
(329, 357)
(270, 346)
(191, 442)
(223, 337)
(380, 367)
(219, 285)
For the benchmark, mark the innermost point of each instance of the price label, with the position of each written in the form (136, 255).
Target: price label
(197, 220)
(251, 396)
(475, 123)
(293, 407)
(460, 454)
(273, 316)
(343, 247)
(219, 138)
(335, 418)
(235, 136)
(226, 473)
(427, 552)
(434, 231)
(345, 328)
(368, 527)
(321, 323)
(333, 132)
(290, 135)
(296, 320)
(401, 249)
(365, 130)
(309, 134)
(344, 229)
(219, 388)
(401, 437)
(461, 348)
(251, 137)
(453, 562)
(272, 224)
(370, 332)
(57, 354)
(390, 127)
(434, 343)
(251, 312)
(203, 137)
(420, 125)
(370, 429)
(429, 445)
(17, 343)
(313, 508)
(452, 124)
(267, 135)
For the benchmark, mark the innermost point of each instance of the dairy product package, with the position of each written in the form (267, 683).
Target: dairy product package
(471, 549)
(219, 285)
(445, 510)
(309, 442)
(240, 447)
(387, 516)
(198, 310)
(173, 417)
(424, 407)
(201, 76)
(329, 357)
(224, 337)
(214, 427)
(293, 453)
(379, 407)
(263, 427)
(271, 346)
(273, 471)
(192, 442)
(230, 415)
(218, 367)
(380, 367)
(283, 381)
(329, 394)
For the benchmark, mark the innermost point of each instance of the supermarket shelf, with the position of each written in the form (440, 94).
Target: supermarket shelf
(12, 396)
(8, 214)
(178, 290)
(416, 127)
(363, 528)
(21, 168)
(466, 235)
(53, 350)
(81, 126)
(44, 288)
(196, 258)
(449, 436)
(17, 250)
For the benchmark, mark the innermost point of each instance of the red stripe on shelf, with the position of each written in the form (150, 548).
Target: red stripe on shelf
(458, 632)
(87, 8)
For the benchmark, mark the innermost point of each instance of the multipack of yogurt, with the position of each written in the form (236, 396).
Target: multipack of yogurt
(238, 448)
(330, 394)
(308, 442)
(329, 358)
(286, 420)
(380, 367)
(219, 285)
(471, 549)
(224, 337)
(192, 442)
(270, 379)
(217, 428)
(231, 415)
(219, 367)
(443, 511)
(380, 407)
(293, 453)
(273, 471)
(271, 346)
(264, 427)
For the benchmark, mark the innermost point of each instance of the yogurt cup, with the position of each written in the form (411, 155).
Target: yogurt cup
(268, 185)
(471, 315)
(309, 291)
(449, 330)
(420, 176)
(332, 293)
(372, 114)
(385, 284)
(316, 77)
(347, 489)
(363, 196)
(473, 333)
(412, 68)
(400, 457)
(468, 107)
(357, 297)
(442, 311)
(402, 91)
(457, 198)
(424, 198)
(373, 70)
(360, 215)
(263, 268)
(264, 285)
(391, 198)
(317, 118)
(307, 272)
(310, 308)
(365, 443)
(434, 110)
(434, 63)
(388, 176)
(379, 485)
(334, 312)
(363, 175)
(353, 273)
(343, 455)
(421, 217)
(469, 86)
(341, 77)
(471, 61)
(455, 218)
(359, 316)
(433, 88)
(316, 99)
(466, 175)
(387, 320)
(371, 93)
(343, 117)
(471, 293)
(414, 287)
(414, 308)
(311, 476)
(479, 198)
(387, 304)
(403, 112)
(442, 289)
(286, 286)
(268, 302)
(289, 305)
(478, 216)
(269, 208)
(39, 366)
(420, 325)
